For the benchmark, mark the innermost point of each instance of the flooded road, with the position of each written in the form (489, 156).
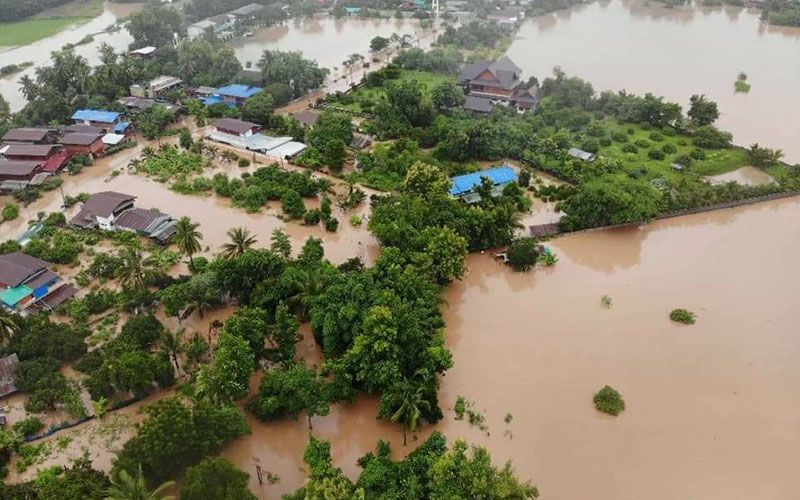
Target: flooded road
(626, 44)
(39, 52)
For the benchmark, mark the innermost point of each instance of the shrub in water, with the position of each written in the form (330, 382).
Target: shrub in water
(523, 253)
(682, 316)
(608, 400)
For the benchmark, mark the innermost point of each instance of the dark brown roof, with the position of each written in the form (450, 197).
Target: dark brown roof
(542, 230)
(106, 203)
(309, 118)
(232, 125)
(138, 219)
(16, 267)
(26, 134)
(80, 139)
(38, 150)
(41, 279)
(85, 129)
(8, 370)
(18, 167)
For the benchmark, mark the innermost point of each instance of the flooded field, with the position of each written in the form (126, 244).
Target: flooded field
(748, 176)
(327, 40)
(646, 47)
(706, 403)
(39, 52)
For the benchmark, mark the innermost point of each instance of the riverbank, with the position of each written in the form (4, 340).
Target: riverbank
(47, 23)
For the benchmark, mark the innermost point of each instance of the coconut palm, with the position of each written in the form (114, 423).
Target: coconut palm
(132, 269)
(171, 343)
(125, 486)
(8, 327)
(408, 401)
(187, 237)
(241, 240)
(303, 287)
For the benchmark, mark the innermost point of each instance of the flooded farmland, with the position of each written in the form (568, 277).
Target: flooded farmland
(676, 52)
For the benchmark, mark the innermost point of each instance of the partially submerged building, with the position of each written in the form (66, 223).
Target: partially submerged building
(30, 136)
(233, 95)
(97, 118)
(465, 186)
(28, 285)
(111, 211)
(245, 135)
(53, 157)
(84, 143)
(19, 174)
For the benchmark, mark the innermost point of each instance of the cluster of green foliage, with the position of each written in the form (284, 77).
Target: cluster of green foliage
(12, 10)
(10, 212)
(523, 253)
(781, 12)
(126, 364)
(78, 480)
(169, 162)
(432, 470)
(682, 316)
(152, 120)
(443, 60)
(386, 165)
(176, 435)
(252, 192)
(215, 478)
(328, 141)
(473, 36)
(608, 400)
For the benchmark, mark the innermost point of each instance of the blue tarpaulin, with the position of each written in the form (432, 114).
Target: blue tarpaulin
(96, 115)
(466, 183)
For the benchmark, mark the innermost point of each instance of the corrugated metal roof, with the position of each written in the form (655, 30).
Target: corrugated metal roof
(37, 150)
(463, 184)
(8, 369)
(80, 139)
(287, 150)
(96, 115)
(18, 167)
(26, 134)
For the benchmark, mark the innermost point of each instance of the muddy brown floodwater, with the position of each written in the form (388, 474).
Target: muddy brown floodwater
(713, 410)
(676, 52)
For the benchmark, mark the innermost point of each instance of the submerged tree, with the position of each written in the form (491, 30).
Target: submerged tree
(404, 404)
(241, 241)
(187, 237)
(126, 486)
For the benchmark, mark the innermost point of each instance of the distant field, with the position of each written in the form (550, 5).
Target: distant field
(25, 32)
(49, 22)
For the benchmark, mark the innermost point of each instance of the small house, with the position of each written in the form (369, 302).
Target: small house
(307, 118)
(236, 94)
(30, 136)
(27, 284)
(53, 156)
(465, 186)
(113, 211)
(238, 128)
(8, 374)
(157, 87)
(360, 141)
(19, 174)
(84, 143)
(97, 118)
(582, 155)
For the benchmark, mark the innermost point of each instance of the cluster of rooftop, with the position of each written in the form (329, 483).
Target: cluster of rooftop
(28, 285)
(113, 211)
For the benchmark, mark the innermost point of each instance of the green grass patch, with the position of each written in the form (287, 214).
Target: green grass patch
(742, 86)
(25, 32)
(374, 94)
(670, 145)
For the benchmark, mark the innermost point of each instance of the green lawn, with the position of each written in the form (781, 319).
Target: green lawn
(25, 32)
(716, 161)
(429, 80)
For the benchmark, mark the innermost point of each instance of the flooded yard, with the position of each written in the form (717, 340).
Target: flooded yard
(748, 176)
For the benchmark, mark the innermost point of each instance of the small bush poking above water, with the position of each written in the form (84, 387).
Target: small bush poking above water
(682, 316)
(608, 400)
(606, 302)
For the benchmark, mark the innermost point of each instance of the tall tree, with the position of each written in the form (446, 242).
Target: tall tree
(703, 111)
(8, 326)
(404, 403)
(216, 478)
(155, 25)
(227, 378)
(241, 241)
(172, 343)
(187, 237)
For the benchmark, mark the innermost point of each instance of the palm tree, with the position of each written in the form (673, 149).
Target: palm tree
(8, 327)
(132, 269)
(408, 399)
(241, 240)
(127, 487)
(303, 287)
(187, 237)
(172, 343)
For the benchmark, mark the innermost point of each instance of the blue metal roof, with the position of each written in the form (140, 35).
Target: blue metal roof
(121, 127)
(239, 91)
(96, 115)
(499, 175)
